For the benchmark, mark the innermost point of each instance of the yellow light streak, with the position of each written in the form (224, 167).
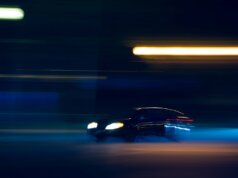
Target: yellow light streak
(11, 13)
(186, 51)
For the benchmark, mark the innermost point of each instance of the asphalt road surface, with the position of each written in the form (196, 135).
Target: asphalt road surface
(69, 154)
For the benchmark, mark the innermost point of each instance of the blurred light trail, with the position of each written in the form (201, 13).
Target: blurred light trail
(177, 127)
(54, 77)
(40, 131)
(11, 13)
(90, 70)
(186, 51)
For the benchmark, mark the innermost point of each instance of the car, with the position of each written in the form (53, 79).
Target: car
(143, 121)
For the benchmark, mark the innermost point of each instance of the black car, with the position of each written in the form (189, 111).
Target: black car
(143, 121)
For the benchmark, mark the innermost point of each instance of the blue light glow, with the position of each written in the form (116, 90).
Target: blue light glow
(177, 127)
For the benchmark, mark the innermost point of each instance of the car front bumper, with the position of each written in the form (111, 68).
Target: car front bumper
(104, 132)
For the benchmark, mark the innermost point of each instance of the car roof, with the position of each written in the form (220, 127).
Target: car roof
(158, 108)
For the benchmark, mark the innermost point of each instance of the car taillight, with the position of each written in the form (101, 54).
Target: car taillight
(184, 119)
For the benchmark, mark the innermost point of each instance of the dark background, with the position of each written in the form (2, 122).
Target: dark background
(95, 38)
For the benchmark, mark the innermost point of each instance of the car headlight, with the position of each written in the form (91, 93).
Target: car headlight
(92, 125)
(115, 125)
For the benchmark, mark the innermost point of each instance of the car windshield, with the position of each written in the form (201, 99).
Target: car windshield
(158, 114)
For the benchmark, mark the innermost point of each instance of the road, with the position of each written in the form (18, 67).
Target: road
(74, 154)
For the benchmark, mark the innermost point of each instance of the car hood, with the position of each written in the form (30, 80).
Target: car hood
(109, 121)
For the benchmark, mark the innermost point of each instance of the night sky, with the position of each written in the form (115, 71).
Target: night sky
(68, 37)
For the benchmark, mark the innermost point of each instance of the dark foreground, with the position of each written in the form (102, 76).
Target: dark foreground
(72, 154)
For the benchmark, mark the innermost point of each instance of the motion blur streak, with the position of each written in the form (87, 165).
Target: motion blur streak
(64, 77)
(80, 70)
(176, 127)
(40, 131)
(187, 51)
(10, 13)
